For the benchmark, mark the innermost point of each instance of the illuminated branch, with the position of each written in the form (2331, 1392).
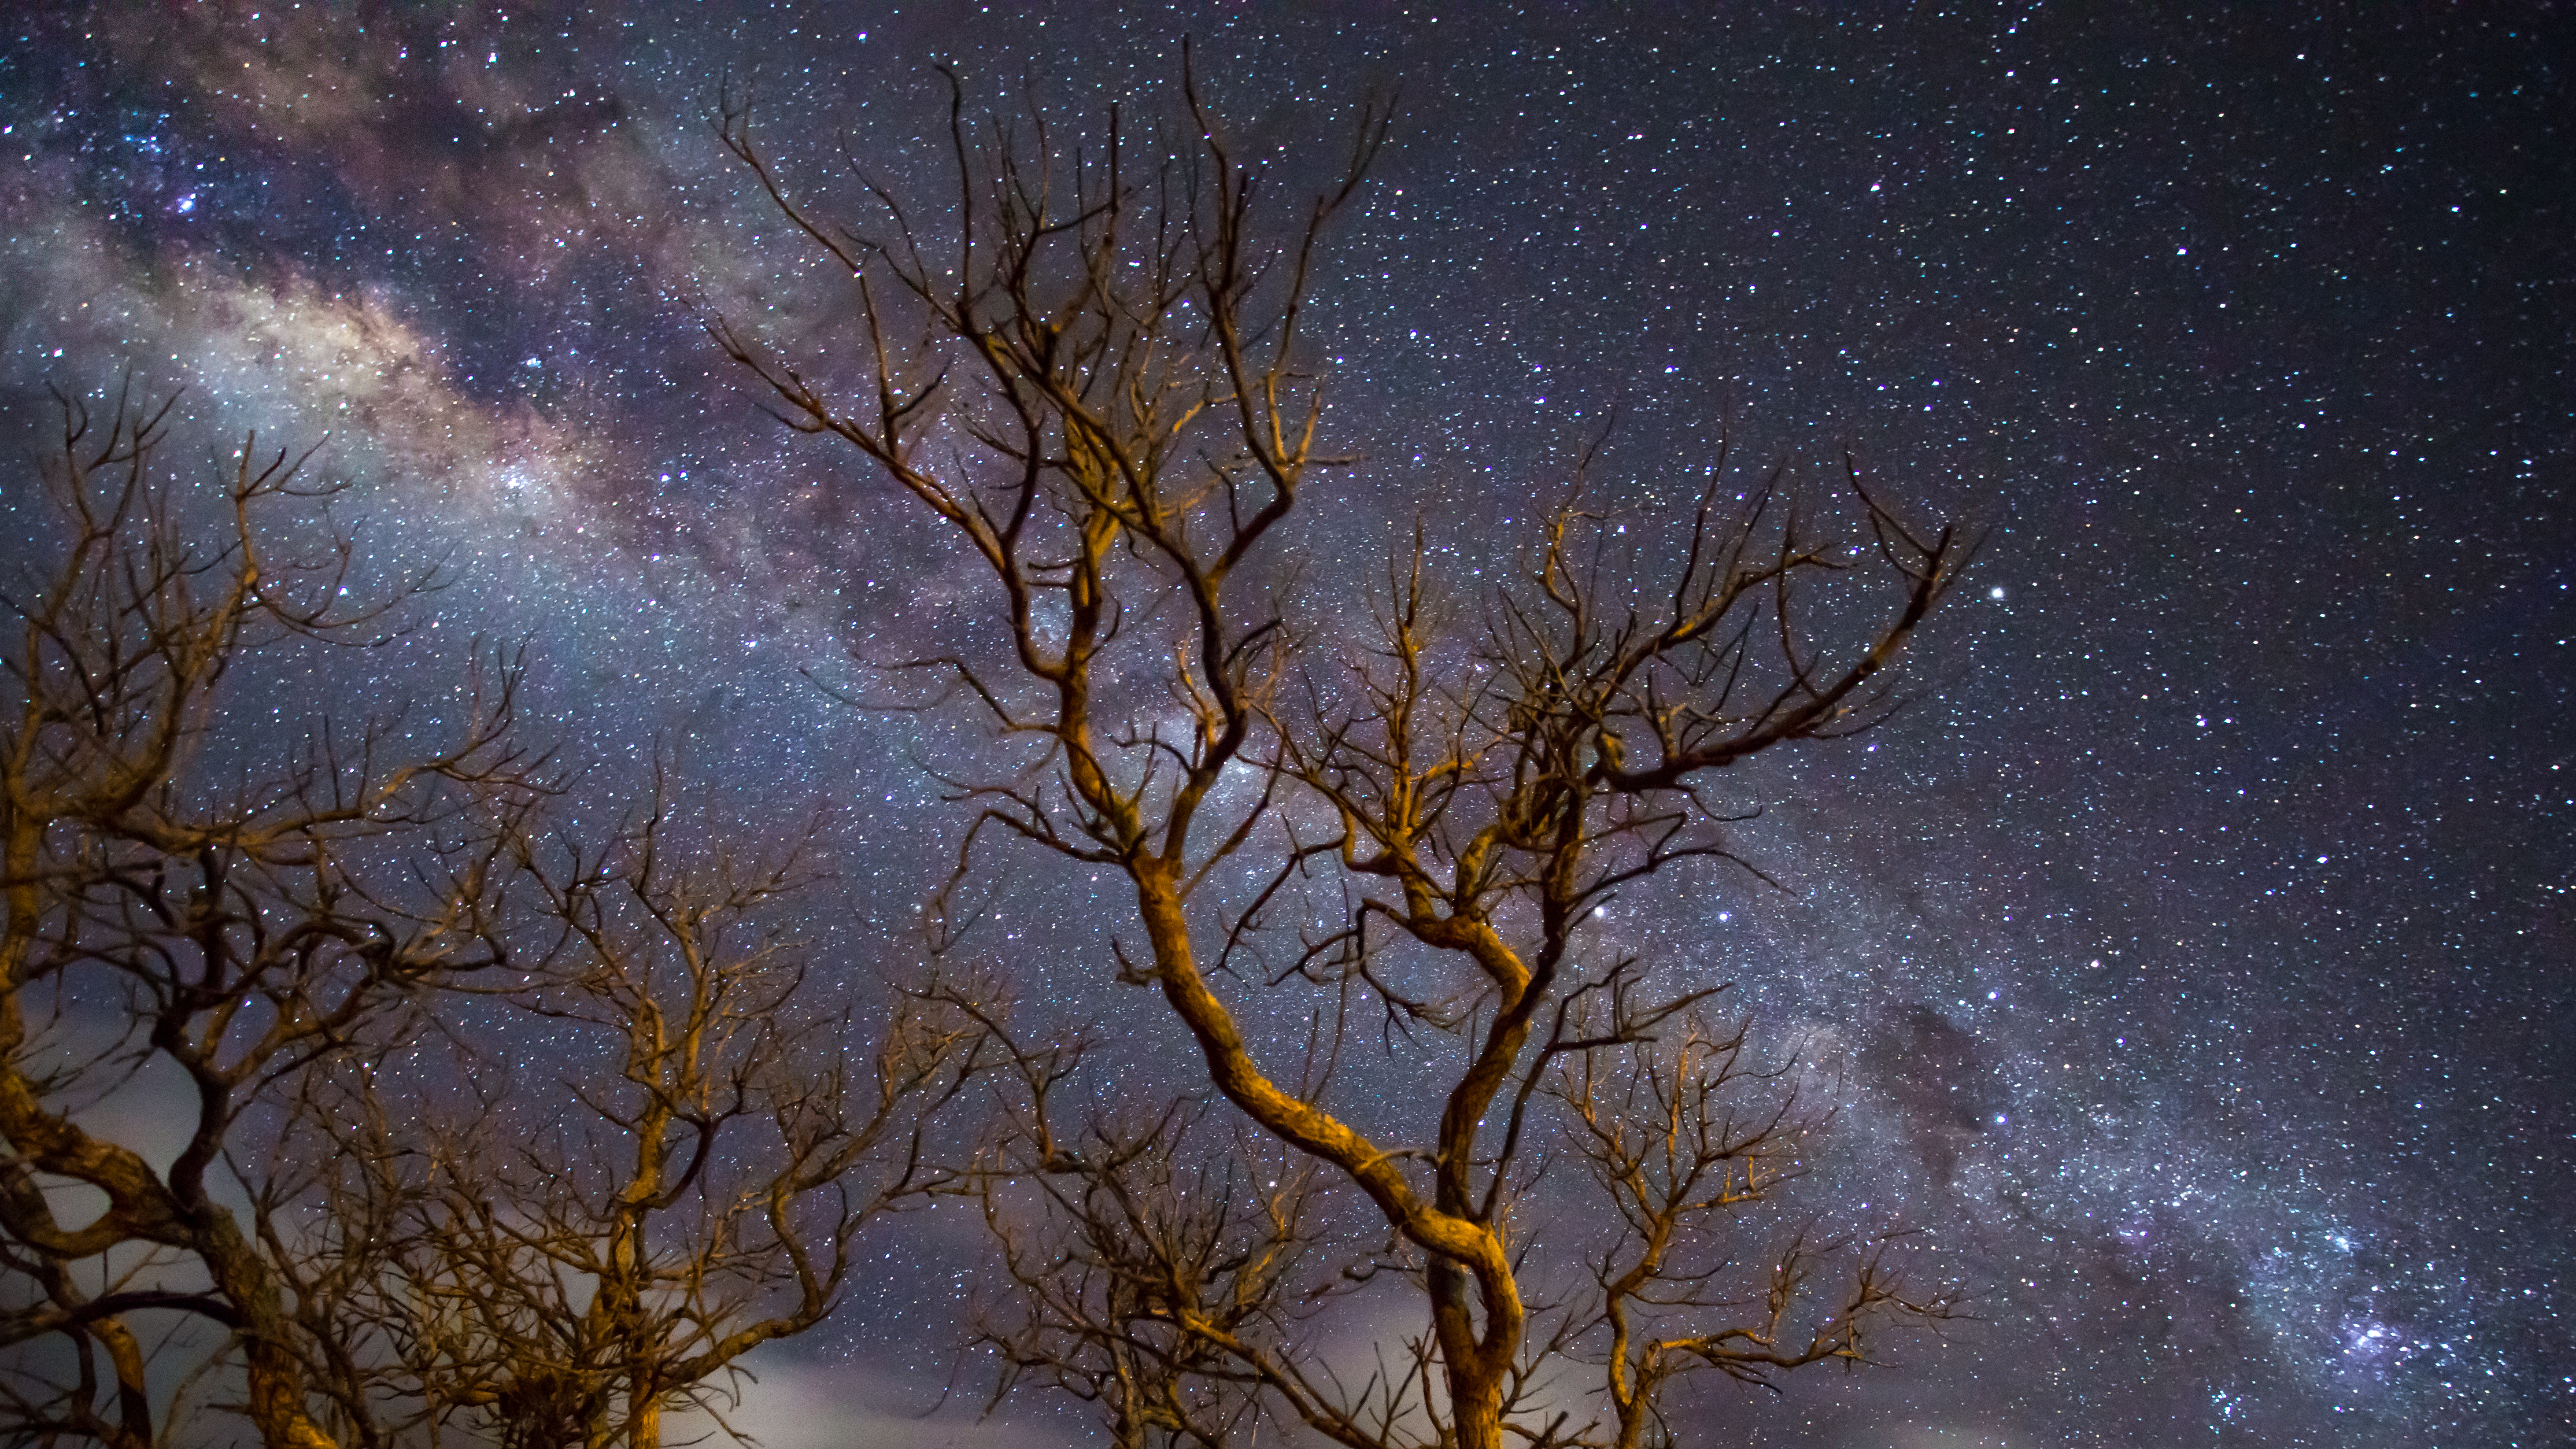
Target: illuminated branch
(1110, 357)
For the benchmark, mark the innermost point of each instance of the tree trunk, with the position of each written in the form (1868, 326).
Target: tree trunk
(276, 1376)
(1476, 1408)
(643, 1416)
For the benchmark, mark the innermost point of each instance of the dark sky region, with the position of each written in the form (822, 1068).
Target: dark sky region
(2199, 949)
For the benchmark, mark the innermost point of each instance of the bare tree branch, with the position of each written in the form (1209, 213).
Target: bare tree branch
(1115, 342)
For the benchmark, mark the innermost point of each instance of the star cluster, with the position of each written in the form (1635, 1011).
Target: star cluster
(2199, 944)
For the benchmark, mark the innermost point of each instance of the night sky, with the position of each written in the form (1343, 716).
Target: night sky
(2198, 948)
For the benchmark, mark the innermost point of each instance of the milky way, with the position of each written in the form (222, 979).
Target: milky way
(2199, 946)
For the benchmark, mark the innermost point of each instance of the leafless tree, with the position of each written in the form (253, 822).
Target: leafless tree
(577, 1252)
(375, 1229)
(1090, 364)
(1139, 1254)
(233, 931)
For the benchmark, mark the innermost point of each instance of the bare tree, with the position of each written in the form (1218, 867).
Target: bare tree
(571, 1256)
(1096, 377)
(233, 932)
(1676, 1147)
(540, 1263)
(1151, 1252)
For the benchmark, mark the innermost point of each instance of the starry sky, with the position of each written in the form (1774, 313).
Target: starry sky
(2199, 945)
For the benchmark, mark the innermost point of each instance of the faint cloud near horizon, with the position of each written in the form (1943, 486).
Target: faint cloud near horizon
(792, 1403)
